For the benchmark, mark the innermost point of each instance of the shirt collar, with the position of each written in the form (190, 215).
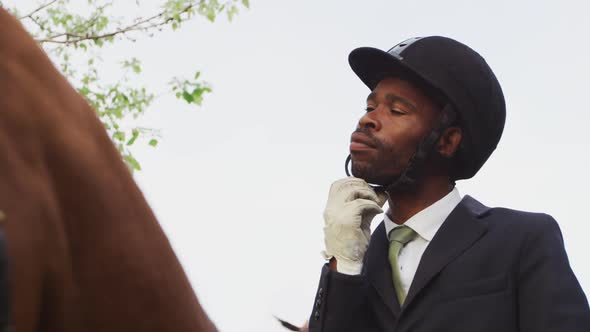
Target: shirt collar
(427, 222)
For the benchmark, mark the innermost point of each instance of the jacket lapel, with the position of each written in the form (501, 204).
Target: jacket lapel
(378, 271)
(459, 231)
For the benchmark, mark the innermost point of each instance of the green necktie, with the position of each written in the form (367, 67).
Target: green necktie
(398, 238)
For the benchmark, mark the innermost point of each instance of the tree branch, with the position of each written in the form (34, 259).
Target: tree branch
(34, 20)
(30, 15)
(92, 20)
(141, 25)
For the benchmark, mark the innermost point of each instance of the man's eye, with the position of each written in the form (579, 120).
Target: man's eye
(369, 109)
(397, 111)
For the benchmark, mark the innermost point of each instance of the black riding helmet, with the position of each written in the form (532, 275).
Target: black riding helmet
(473, 95)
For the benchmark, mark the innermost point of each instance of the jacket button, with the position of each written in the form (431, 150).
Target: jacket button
(320, 291)
(316, 315)
(318, 302)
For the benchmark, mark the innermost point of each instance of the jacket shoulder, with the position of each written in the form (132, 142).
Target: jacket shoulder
(508, 217)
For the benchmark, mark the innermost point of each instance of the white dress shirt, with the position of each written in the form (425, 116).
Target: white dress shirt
(426, 223)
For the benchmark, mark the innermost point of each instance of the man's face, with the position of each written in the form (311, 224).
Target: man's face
(398, 116)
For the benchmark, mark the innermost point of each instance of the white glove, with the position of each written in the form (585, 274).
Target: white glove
(351, 206)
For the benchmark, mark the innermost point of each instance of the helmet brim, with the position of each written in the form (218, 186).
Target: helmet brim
(371, 65)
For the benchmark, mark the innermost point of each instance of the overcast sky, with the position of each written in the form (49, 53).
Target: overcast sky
(240, 184)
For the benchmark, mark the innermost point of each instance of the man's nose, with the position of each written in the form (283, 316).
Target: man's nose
(370, 121)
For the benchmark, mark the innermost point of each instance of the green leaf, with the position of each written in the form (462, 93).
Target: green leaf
(84, 91)
(132, 163)
(246, 3)
(210, 14)
(197, 92)
(117, 112)
(121, 97)
(233, 11)
(119, 136)
(135, 135)
(153, 142)
(188, 97)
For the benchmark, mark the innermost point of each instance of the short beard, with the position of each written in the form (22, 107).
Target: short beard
(375, 171)
(385, 168)
(368, 172)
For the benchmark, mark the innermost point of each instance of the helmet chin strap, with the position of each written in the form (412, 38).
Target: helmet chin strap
(376, 187)
(408, 175)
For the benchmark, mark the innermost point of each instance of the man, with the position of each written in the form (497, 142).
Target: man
(80, 249)
(439, 261)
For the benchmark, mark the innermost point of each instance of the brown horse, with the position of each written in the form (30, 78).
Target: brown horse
(85, 252)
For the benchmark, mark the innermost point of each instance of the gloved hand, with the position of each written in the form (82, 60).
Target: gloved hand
(351, 206)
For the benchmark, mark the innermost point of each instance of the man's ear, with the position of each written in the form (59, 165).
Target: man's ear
(448, 143)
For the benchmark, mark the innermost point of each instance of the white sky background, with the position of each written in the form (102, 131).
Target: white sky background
(240, 185)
